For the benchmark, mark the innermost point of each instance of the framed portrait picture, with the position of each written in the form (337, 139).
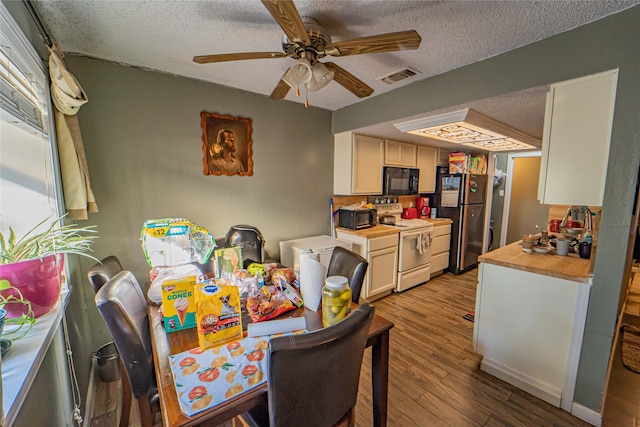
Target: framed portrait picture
(226, 144)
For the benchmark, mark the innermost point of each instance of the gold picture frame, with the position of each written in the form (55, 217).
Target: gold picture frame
(226, 144)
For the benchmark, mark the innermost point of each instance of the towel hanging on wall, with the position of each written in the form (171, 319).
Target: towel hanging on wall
(68, 96)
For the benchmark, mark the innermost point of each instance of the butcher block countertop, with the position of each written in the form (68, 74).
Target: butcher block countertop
(439, 221)
(381, 230)
(570, 267)
(371, 233)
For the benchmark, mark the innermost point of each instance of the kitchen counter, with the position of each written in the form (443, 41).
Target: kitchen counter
(439, 221)
(369, 233)
(570, 267)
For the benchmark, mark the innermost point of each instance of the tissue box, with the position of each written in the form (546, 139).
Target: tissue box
(175, 241)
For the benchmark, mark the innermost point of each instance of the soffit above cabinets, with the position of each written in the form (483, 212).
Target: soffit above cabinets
(469, 128)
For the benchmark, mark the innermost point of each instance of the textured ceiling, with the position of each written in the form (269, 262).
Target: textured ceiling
(165, 36)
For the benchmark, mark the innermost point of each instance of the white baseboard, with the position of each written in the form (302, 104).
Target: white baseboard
(585, 414)
(91, 392)
(530, 385)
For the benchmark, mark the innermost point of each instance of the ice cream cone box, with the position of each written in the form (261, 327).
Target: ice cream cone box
(179, 304)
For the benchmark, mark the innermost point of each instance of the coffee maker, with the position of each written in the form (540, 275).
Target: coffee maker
(422, 203)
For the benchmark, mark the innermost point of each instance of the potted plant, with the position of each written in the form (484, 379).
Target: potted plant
(31, 268)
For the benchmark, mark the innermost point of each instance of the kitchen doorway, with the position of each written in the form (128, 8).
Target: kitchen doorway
(522, 211)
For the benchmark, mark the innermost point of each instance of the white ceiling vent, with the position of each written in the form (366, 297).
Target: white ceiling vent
(396, 76)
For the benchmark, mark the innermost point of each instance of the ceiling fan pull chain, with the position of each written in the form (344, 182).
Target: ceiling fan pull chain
(306, 96)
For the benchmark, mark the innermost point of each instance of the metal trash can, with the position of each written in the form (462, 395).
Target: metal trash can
(108, 362)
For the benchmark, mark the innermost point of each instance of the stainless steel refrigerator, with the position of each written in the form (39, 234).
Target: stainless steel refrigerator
(462, 198)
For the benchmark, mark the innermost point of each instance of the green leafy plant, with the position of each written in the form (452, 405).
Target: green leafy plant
(25, 322)
(57, 239)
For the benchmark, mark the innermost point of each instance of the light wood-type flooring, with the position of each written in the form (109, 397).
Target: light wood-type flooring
(434, 375)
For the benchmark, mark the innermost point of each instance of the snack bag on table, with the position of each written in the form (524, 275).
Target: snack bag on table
(267, 301)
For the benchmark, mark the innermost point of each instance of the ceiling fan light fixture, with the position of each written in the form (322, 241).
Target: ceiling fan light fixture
(321, 77)
(470, 128)
(301, 71)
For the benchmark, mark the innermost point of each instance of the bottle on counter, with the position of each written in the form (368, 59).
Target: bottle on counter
(336, 300)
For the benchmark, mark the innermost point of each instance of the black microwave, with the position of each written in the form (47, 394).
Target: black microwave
(400, 181)
(356, 219)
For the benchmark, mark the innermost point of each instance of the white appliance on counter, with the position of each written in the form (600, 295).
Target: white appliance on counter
(414, 251)
(290, 250)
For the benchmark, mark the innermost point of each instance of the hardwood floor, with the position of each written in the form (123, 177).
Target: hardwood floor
(434, 375)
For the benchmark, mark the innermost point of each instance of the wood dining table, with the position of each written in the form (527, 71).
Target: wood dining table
(165, 344)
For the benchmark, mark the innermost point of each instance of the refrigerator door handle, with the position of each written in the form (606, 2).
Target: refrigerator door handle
(463, 237)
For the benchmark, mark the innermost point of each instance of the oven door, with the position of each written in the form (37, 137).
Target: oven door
(415, 248)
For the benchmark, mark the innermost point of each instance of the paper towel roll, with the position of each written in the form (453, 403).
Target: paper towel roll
(312, 275)
(271, 327)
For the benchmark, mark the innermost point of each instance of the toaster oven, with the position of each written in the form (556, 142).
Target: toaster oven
(355, 219)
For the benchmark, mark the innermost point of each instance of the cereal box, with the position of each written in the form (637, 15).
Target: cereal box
(178, 304)
(227, 261)
(218, 314)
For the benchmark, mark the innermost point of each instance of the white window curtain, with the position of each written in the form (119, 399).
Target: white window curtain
(68, 96)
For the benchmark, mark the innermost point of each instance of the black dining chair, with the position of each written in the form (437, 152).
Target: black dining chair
(104, 271)
(323, 390)
(344, 262)
(124, 309)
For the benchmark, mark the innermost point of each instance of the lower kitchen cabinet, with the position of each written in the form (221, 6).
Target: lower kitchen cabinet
(528, 328)
(440, 248)
(382, 255)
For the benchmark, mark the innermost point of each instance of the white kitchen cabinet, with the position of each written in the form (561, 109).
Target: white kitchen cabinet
(426, 163)
(357, 164)
(398, 153)
(382, 255)
(576, 137)
(443, 157)
(528, 328)
(440, 246)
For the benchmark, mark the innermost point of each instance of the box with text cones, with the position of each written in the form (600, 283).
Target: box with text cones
(178, 304)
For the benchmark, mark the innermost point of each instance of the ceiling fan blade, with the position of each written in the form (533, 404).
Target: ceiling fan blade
(281, 90)
(349, 81)
(402, 40)
(206, 59)
(287, 16)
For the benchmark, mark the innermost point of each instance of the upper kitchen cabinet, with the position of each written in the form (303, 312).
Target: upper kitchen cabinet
(575, 145)
(426, 163)
(357, 164)
(398, 153)
(443, 157)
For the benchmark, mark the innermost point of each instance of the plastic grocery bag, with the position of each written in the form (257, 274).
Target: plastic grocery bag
(172, 273)
(175, 241)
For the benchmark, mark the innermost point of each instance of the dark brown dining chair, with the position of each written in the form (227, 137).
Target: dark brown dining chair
(104, 271)
(98, 275)
(351, 265)
(124, 309)
(322, 390)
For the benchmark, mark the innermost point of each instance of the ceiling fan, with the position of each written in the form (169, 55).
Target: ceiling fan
(306, 42)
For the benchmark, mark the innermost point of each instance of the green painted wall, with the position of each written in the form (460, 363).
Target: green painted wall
(605, 44)
(143, 143)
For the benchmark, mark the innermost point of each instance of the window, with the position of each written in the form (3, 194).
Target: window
(29, 185)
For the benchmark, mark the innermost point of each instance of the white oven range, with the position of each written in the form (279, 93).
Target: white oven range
(414, 251)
